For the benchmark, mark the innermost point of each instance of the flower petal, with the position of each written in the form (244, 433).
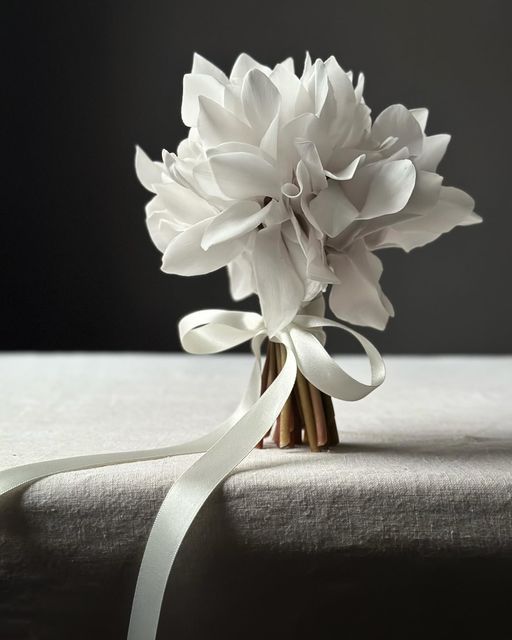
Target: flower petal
(217, 125)
(421, 116)
(148, 172)
(195, 85)
(390, 189)
(185, 257)
(243, 64)
(242, 175)
(183, 203)
(358, 298)
(241, 277)
(205, 67)
(454, 208)
(288, 86)
(426, 192)
(309, 155)
(161, 230)
(434, 148)
(307, 65)
(332, 210)
(260, 100)
(344, 163)
(161, 225)
(234, 222)
(270, 139)
(288, 64)
(398, 121)
(341, 83)
(280, 289)
(202, 176)
(277, 213)
(317, 267)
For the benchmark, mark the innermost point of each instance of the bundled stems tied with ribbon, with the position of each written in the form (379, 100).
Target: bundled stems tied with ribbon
(292, 391)
(308, 414)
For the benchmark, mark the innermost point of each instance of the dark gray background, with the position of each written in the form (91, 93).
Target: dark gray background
(84, 81)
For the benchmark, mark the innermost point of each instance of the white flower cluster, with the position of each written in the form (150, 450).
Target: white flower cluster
(288, 182)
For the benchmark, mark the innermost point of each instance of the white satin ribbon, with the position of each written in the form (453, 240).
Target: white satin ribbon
(204, 332)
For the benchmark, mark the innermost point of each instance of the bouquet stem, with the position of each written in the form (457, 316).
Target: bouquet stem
(307, 416)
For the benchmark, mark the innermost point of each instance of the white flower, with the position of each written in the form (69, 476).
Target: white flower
(287, 182)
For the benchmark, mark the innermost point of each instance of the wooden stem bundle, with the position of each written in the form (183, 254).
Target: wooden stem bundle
(307, 416)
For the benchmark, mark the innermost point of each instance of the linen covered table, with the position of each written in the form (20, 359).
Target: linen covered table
(408, 520)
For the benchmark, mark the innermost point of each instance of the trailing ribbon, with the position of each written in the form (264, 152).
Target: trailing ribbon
(205, 332)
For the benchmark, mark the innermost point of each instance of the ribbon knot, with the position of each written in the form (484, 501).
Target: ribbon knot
(217, 330)
(204, 332)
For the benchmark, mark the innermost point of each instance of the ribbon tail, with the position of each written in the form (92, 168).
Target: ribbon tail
(190, 492)
(24, 475)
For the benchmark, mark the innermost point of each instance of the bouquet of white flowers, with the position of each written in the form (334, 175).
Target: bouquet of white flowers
(288, 182)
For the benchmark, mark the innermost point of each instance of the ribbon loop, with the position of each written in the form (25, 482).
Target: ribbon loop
(215, 330)
(320, 368)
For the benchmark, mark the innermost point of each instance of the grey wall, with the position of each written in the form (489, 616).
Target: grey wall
(85, 81)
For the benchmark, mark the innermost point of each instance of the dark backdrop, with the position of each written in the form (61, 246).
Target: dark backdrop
(84, 81)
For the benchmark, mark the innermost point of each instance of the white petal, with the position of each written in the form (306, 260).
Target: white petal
(300, 127)
(270, 139)
(434, 148)
(332, 210)
(309, 155)
(390, 189)
(370, 228)
(455, 207)
(202, 176)
(280, 289)
(318, 85)
(185, 257)
(217, 125)
(426, 192)
(243, 64)
(260, 100)
(243, 176)
(346, 162)
(195, 85)
(288, 64)
(303, 180)
(307, 65)
(205, 67)
(241, 277)
(316, 307)
(317, 267)
(421, 116)
(183, 203)
(234, 222)
(235, 147)
(161, 230)
(398, 121)
(288, 86)
(277, 213)
(358, 298)
(341, 84)
(358, 91)
(162, 226)
(148, 172)
(304, 103)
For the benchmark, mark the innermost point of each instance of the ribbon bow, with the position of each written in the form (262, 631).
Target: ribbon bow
(205, 332)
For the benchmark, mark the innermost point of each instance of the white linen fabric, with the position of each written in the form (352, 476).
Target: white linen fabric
(424, 467)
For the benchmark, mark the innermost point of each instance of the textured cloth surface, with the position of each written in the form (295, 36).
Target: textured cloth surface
(416, 501)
